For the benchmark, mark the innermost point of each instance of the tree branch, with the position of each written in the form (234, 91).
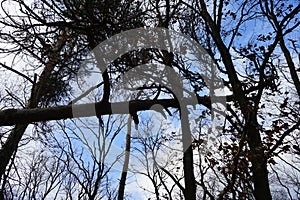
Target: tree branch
(16, 72)
(11, 117)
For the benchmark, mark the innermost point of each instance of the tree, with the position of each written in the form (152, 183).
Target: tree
(250, 85)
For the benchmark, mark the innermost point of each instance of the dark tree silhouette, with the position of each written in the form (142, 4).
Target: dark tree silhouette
(254, 46)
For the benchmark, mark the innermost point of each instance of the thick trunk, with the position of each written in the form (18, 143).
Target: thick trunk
(259, 164)
(10, 146)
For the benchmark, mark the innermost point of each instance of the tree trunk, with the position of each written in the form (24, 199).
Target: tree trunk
(10, 146)
(188, 162)
(126, 161)
(259, 164)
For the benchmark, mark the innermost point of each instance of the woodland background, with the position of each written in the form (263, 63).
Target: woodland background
(255, 46)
